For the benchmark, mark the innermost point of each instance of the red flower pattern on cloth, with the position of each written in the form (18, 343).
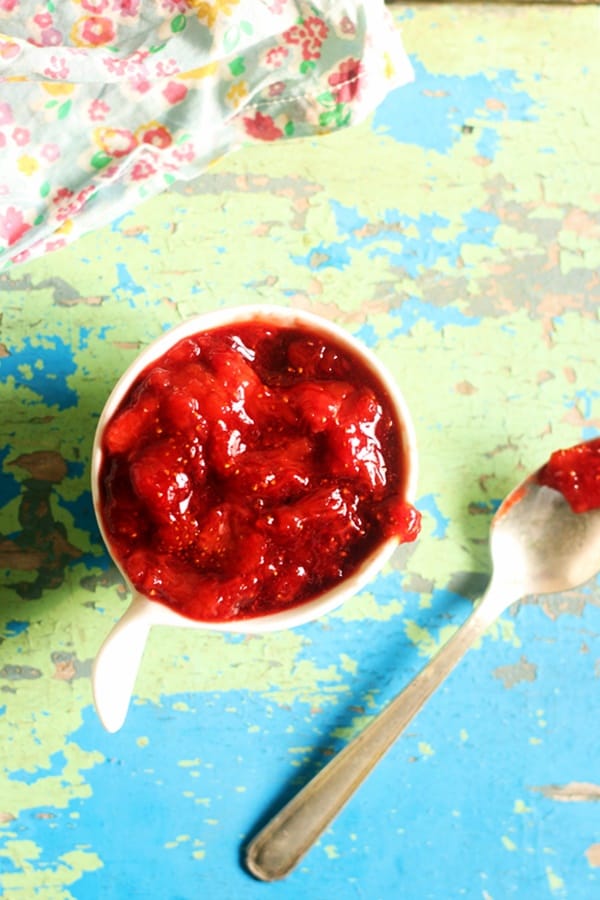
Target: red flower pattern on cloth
(310, 35)
(155, 134)
(262, 127)
(104, 103)
(346, 81)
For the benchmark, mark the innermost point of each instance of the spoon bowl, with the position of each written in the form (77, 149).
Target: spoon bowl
(538, 545)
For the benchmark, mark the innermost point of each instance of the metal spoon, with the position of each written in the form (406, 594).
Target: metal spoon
(538, 546)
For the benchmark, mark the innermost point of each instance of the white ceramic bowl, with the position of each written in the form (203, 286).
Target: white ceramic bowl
(118, 659)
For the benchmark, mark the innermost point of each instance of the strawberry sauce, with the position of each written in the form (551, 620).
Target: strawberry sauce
(249, 469)
(575, 473)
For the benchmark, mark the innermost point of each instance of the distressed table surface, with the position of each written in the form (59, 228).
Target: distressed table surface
(457, 233)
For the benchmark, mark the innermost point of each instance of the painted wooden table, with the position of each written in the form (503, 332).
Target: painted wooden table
(457, 233)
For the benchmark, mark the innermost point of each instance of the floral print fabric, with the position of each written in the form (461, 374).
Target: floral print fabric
(104, 103)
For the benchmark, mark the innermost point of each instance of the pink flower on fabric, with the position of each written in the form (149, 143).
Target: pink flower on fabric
(185, 152)
(8, 5)
(276, 6)
(175, 92)
(21, 257)
(262, 127)
(347, 26)
(142, 170)
(94, 6)
(9, 49)
(175, 6)
(310, 34)
(275, 57)
(167, 67)
(138, 57)
(346, 82)
(58, 69)
(108, 172)
(129, 8)
(21, 136)
(64, 211)
(55, 245)
(140, 84)
(116, 66)
(63, 193)
(12, 225)
(51, 37)
(74, 203)
(6, 116)
(277, 88)
(93, 31)
(43, 20)
(97, 110)
(50, 152)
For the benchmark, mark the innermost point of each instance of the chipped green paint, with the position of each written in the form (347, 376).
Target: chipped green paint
(428, 645)
(30, 879)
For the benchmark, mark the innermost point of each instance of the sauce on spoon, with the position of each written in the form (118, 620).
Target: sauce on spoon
(575, 473)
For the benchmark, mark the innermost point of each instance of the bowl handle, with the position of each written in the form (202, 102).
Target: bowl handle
(117, 662)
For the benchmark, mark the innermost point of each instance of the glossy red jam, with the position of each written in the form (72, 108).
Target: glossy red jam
(575, 473)
(249, 469)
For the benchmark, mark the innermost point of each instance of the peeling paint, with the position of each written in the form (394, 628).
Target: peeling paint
(573, 792)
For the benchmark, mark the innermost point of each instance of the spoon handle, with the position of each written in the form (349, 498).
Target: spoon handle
(274, 852)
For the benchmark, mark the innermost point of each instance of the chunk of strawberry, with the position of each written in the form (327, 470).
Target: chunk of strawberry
(318, 533)
(191, 377)
(128, 428)
(273, 475)
(180, 412)
(286, 583)
(225, 443)
(165, 474)
(217, 535)
(226, 542)
(354, 448)
(234, 372)
(165, 578)
(191, 592)
(220, 599)
(313, 358)
(273, 415)
(219, 403)
(123, 515)
(178, 537)
(398, 518)
(246, 395)
(327, 510)
(318, 403)
(157, 380)
(575, 473)
(184, 351)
